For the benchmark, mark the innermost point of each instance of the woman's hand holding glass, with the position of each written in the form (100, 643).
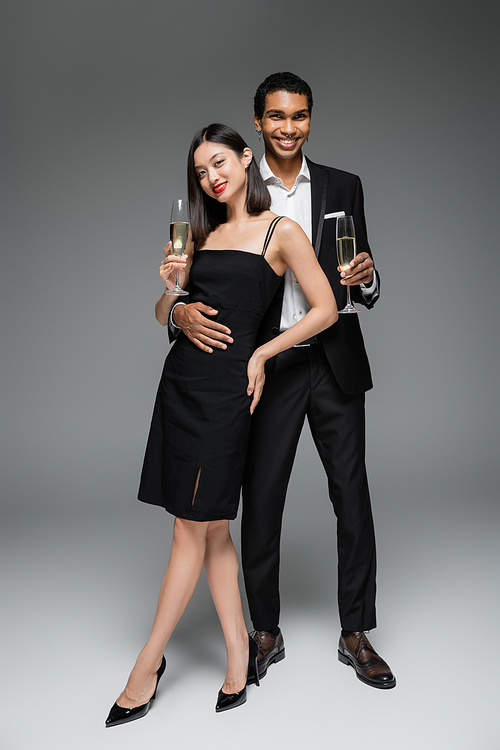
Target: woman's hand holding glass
(172, 265)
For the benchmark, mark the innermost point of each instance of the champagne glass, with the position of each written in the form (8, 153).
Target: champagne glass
(346, 251)
(179, 231)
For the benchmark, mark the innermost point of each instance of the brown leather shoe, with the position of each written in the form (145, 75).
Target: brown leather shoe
(271, 651)
(357, 651)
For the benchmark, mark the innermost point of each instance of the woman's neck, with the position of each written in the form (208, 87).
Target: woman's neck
(236, 211)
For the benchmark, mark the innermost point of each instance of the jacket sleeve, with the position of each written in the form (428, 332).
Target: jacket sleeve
(362, 245)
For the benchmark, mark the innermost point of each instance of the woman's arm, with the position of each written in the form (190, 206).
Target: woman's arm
(168, 269)
(293, 250)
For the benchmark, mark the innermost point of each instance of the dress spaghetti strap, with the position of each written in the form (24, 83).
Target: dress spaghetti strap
(270, 231)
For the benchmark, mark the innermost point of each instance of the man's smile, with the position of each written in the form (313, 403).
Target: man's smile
(286, 142)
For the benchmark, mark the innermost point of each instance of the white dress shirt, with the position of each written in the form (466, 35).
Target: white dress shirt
(295, 204)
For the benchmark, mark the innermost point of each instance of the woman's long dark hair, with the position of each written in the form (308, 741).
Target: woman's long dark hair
(206, 213)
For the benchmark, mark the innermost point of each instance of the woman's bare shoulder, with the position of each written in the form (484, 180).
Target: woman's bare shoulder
(263, 216)
(288, 228)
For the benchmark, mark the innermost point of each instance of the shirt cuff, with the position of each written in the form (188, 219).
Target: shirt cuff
(369, 290)
(174, 328)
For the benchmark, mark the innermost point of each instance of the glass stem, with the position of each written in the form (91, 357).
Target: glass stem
(349, 303)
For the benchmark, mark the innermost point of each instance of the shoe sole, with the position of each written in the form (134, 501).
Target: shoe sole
(379, 685)
(279, 657)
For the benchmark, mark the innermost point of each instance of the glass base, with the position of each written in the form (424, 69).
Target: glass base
(176, 291)
(348, 309)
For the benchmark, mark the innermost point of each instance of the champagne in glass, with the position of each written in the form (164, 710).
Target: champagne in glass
(346, 251)
(179, 232)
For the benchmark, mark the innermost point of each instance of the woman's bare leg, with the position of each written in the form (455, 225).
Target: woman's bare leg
(221, 567)
(179, 582)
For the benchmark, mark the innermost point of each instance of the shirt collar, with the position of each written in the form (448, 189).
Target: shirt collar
(269, 176)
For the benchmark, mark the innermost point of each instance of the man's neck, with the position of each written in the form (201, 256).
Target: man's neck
(286, 169)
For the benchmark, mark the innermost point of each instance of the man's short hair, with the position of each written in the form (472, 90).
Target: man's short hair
(280, 82)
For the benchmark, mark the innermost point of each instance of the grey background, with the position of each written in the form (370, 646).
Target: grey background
(99, 101)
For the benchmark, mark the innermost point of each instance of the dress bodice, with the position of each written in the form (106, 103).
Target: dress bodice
(233, 279)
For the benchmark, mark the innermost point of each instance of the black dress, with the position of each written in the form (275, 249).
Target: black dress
(201, 417)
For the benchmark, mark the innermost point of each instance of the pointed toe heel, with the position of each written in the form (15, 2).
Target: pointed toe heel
(121, 715)
(225, 701)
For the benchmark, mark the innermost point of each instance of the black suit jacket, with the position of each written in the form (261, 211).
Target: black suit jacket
(333, 190)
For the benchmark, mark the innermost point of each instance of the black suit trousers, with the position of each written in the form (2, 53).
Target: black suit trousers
(300, 383)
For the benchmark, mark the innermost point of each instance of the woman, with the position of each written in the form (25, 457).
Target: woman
(236, 255)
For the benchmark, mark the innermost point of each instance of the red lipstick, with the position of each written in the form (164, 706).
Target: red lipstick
(219, 188)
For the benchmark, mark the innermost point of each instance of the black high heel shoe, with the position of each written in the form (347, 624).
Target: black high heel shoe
(120, 715)
(225, 701)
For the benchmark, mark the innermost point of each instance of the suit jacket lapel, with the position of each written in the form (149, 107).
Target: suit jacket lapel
(319, 190)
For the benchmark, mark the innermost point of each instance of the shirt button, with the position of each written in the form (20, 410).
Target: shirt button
(276, 180)
(300, 312)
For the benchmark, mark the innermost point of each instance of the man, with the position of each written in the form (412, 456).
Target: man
(325, 379)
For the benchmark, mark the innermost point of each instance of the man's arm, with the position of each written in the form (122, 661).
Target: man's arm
(205, 333)
(173, 330)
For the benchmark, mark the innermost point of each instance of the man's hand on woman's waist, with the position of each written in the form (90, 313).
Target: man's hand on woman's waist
(205, 333)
